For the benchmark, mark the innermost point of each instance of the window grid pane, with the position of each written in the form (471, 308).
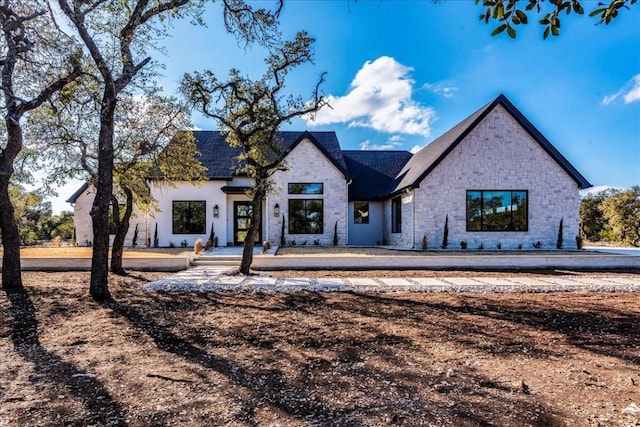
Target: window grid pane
(305, 216)
(497, 210)
(361, 213)
(189, 217)
(306, 188)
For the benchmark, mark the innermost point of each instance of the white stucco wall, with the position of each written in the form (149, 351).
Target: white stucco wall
(307, 164)
(367, 234)
(84, 226)
(165, 194)
(497, 155)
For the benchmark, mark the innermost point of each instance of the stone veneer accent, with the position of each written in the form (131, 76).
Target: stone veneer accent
(307, 164)
(498, 154)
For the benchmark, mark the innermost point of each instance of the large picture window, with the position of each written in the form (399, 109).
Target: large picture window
(396, 215)
(305, 216)
(306, 188)
(360, 213)
(497, 210)
(189, 217)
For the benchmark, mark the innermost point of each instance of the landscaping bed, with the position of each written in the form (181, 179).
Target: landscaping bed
(314, 359)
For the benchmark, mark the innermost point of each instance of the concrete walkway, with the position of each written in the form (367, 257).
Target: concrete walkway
(208, 279)
(211, 278)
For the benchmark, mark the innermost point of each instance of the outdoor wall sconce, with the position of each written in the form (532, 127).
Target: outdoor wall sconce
(216, 211)
(276, 210)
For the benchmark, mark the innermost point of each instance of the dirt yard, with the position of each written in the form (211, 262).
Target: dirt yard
(314, 359)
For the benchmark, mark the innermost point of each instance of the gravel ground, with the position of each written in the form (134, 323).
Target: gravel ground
(206, 279)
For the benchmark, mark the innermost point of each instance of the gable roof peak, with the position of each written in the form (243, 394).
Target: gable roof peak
(425, 160)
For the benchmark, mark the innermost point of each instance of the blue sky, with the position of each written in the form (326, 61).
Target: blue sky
(401, 73)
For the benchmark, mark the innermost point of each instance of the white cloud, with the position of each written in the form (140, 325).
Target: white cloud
(381, 99)
(392, 144)
(630, 92)
(442, 88)
(634, 92)
(416, 148)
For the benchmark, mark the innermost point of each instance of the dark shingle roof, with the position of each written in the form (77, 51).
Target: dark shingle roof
(373, 172)
(219, 157)
(78, 192)
(425, 160)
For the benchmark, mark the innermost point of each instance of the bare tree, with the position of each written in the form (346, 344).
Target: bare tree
(251, 113)
(37, 60)
(117, 35)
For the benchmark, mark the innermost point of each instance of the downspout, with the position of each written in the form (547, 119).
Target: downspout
(265, 220)
(413, 219)
(349, 181)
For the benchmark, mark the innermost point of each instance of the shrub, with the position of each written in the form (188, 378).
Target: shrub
(481, 247)
(172, 245)
(134, 240)
(538, 244)
(445, 236)
(155, 237)
(335, 234)
(424, 242)
(282, 241)
(57, 241)
(184, 243)
(499, 246)
(519, 246)
(463, 244)
(197, 247)
(579, 242)
(316, 242)
(559, 242)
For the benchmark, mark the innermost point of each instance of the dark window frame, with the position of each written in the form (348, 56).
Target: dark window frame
(307, 229)
(363, 219)
(291, 187)
(483, 209)
(202, 230)
(396, 215)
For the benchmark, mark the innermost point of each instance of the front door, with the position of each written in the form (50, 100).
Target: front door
(241, 220)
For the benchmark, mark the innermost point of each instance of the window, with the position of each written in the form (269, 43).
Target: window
(305, 216)
(189, 217)
(360, 213)
(396, 215)
(301, 188)
(497, 210)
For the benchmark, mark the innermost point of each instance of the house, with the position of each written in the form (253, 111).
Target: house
(494, 178)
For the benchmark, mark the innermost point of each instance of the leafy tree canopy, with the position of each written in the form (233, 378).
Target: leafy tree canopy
(512, 13)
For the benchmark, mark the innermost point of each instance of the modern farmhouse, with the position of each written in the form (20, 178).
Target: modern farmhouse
(493, 178)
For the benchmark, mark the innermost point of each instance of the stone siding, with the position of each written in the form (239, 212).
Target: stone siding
(498, 154)
(402, 239)
(307, 164)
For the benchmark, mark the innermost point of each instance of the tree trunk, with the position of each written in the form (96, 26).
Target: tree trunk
(122, 227)
(11, 269)
(99, 286)
(252, 232)
(11, 274)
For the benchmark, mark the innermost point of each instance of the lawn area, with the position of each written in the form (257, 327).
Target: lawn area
(314, 359)
(86, 252)
(355, 251)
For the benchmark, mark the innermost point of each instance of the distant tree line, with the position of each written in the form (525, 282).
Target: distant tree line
(35, 219)
(612, 215)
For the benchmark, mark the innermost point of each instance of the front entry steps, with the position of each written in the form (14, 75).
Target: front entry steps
(217, 261)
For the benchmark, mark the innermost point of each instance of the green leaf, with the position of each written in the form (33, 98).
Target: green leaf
(515, 20)
(499, 29)
(597, 12)
(555, 31)
(511, 32)
(546, 33)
